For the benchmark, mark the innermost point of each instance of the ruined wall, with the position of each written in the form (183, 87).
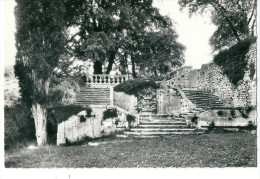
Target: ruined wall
(211, 78)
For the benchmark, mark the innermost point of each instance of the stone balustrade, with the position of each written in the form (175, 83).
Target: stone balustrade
(106, 79)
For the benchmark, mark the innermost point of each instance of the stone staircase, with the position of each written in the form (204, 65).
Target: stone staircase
(159, 124)
(148, 104)
(204, 99)
(93, 96)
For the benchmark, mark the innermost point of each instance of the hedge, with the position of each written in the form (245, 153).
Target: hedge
(135, 86)
(19, 125)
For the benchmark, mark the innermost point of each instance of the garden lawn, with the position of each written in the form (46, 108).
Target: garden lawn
(206, 150)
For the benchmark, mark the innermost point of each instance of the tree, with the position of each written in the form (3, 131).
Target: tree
(235, 19)
(111, 30)
(159, 52)
(40, 41)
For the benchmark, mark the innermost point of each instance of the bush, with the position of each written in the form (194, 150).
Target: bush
(194, 119)
(229, 118)
(233, 60)
(59, 113)
(109, 113)
(64, 92)
(251, 126)
(233, 113)
(220, 113)
(19, 125)
(135, 86)
(211, 126)
(130, 118)
(249, 109)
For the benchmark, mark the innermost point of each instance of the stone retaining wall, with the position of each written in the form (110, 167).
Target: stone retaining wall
(210, 77)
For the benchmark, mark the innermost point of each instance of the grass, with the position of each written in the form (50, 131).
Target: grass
(206, 150)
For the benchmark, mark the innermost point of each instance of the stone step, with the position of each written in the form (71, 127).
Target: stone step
(160, 129)
(161, 126)
(157, 133)
(92, 102)
(93, 97)
(159, 122)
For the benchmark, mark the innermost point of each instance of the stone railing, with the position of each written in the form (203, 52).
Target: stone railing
(106, 79)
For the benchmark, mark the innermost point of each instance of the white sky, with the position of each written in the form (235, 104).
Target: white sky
(193, 32)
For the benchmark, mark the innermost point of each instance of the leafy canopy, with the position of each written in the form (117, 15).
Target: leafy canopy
(235, 19)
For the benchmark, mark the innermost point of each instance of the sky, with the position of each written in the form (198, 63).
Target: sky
(194, 32)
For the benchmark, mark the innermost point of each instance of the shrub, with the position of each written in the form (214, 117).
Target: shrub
(19, 125)
(220, 113)
(194, 119)
(130, 118)
(117, 122)
(64, 92)
(109, 113)
(244, 115)
(233, 113)
(229, 118)
(251, 126)
(233, 60)
(211, 126)
(135, 86)
(249, 109)
(82, 118)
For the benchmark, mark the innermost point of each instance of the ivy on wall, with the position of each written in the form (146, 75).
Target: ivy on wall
(233, 60)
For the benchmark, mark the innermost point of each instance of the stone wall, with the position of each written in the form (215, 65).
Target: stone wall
(226, 120)
(74, 130)
(126, 102)
(211, 78)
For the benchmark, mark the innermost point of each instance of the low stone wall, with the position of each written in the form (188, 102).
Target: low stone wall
(74, 130)
(126, 102)
(224, 120)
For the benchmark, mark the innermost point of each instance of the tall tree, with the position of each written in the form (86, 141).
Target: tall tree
(109, 29)
(40, 42)
(235, 19)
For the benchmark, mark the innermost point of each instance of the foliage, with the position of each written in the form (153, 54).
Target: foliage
(251, 126)
(220, 113)
(40, 41)
(249, 109)
(233, 113)
(114, 31)
(135, 86)
(59, 113)
(230, 118)
(194, 119)
(233, 60)
(19, 125)
(211, 126)
(82, 118)
(235, 19)
(109, 113)
(130, 119)
(64, 92)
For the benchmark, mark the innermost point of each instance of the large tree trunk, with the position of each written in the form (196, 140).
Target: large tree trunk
(133, 68)
(40, 119)
(111, 62)
(98, 67)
